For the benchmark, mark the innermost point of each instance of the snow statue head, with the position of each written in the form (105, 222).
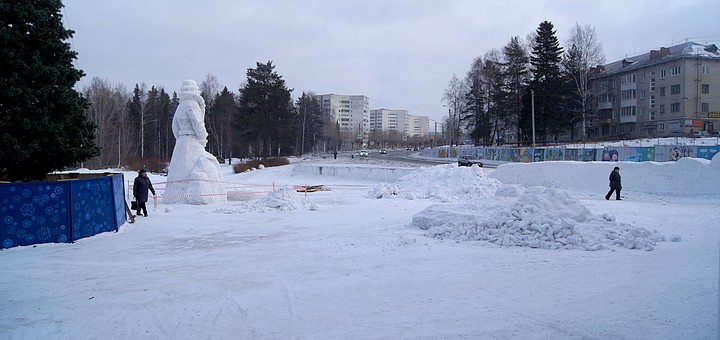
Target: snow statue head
(194, 174)
(189, 90)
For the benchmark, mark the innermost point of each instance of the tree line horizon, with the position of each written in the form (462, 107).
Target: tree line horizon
(49, 125)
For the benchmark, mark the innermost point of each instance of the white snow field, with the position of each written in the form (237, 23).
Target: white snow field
(388, 251)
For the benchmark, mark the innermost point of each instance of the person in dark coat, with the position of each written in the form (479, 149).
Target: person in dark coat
(140, 191)
(615, 184)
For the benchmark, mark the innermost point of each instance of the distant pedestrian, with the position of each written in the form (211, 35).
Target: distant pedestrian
(615, 184)
(140, 191)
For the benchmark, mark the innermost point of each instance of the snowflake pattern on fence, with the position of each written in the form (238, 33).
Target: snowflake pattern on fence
(33, 213)
(25, 208)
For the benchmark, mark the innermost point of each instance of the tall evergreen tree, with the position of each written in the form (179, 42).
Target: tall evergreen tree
(166, 113)
(265, 115)
(137, 109)
(546, 55)
(476, 118)
(152, 137)
(516, 74)
(43, 126)
(219, 119)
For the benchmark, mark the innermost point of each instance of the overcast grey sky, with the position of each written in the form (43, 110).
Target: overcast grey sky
(399, 53)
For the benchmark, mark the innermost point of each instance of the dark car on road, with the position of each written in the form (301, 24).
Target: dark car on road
(469, 160)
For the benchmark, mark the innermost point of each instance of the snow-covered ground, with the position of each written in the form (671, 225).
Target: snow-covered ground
(525, 251)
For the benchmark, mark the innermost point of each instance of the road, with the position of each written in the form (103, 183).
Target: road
(407, 157)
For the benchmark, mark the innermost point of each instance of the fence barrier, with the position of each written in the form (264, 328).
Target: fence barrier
(61, 211)
(657, 153)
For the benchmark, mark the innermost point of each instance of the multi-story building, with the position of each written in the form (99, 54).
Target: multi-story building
(405, 124)
(417, 126)
(670, 91)
(352, 115)
(386, 120)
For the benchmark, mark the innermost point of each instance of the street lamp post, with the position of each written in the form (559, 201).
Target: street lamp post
(532, 104)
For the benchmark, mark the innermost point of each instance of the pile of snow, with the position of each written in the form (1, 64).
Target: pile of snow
(537, 217)
(448, 183)
(284, 198)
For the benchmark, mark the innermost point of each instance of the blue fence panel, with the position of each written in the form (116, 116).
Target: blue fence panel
(707, 152)
(34, 213)
(118, 189)
(92, 207)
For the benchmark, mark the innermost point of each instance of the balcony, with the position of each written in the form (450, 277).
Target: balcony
(605, 105)
(628, 119)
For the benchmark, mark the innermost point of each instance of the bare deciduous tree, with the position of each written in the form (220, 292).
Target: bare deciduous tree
(454, 99)
(107, 109)
(585, 52)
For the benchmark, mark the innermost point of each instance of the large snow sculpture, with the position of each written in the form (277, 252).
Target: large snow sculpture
(194, 175)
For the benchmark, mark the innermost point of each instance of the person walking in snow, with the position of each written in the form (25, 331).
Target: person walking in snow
(140, 191)
(615, 184)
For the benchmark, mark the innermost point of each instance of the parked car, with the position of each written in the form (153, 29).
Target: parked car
(408, 149)
(469, 160)
(363, 153)
(383, 151)
(699, 134)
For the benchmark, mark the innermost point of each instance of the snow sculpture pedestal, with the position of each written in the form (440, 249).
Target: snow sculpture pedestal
(194, 175)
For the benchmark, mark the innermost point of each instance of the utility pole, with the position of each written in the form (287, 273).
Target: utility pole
(532, 103)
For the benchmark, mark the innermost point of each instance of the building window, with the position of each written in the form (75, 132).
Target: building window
(652, 115)
(628, 94)
(705, 70)
(627, 79)
(661, 126)
(642, 77)
(705, 107)
(642, 94)
(628, 111)
(652, 84)
(652, 101)
(675, 70)
(663, 73)
(631, 128)
(662, 91)
(674, 125)
(662, 109)
(675, 107)
(675, 89)
(706, 88)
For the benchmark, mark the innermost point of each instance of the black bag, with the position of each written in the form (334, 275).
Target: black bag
(133, 205)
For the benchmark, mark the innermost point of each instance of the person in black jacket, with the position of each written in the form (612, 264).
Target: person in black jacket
(140, 191)
(615, 184)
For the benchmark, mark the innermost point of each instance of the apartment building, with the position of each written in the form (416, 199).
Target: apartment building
(401, 121)
(672, 91)
(417, 126)
(352, 115)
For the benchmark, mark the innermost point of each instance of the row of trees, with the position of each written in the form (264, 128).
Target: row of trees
(526, 91)
(260, 120)
(47, 125)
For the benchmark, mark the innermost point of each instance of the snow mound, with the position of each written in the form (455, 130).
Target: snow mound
(284, 198)
(537, 217)
(448, 183)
